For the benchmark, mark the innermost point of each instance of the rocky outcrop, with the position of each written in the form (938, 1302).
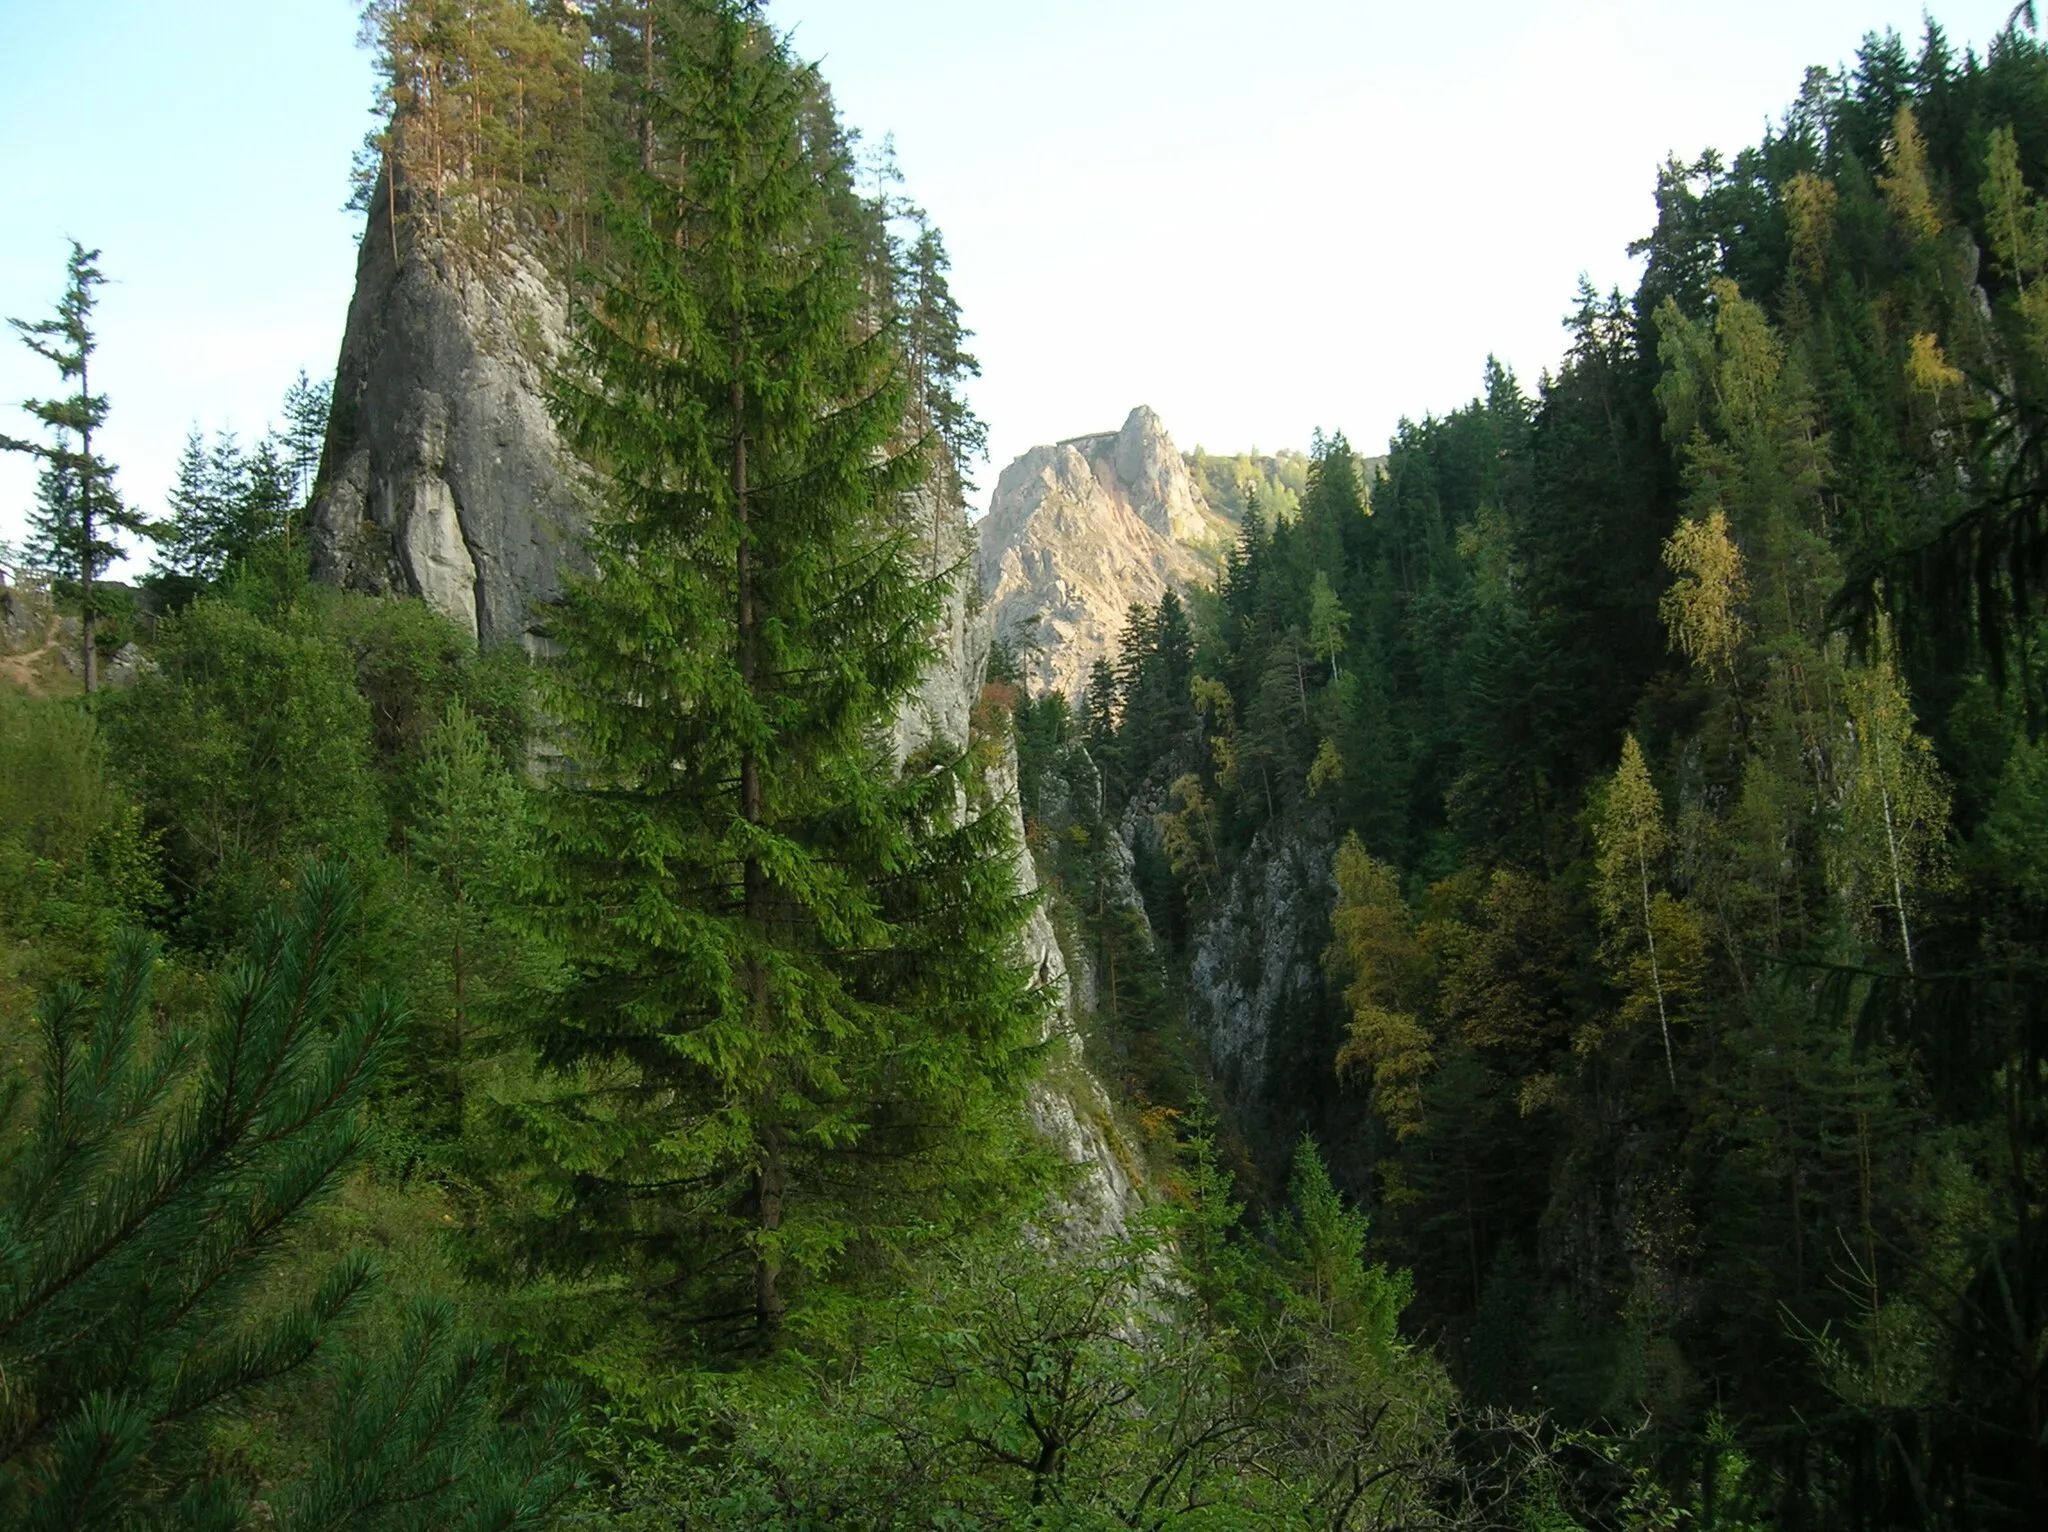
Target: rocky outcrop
(1067, 1105)
(41, 652)
(443, 477)
(1256, 993)
(1079, 531)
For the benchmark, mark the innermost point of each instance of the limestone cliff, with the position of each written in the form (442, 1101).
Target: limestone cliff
(443, 475)
(1079, 531)
(1256, 992)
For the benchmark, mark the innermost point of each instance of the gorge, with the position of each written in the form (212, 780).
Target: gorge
(608, 952)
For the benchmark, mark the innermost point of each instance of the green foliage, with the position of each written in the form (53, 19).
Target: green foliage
(149, 1180)
(78, 510)
(1685, 1075)
(797, 1019)
(1251, 484)
(1020, 1384)
(224, 504)
(76, 863)
(249, 748)
(1375, 956)
(479, 971)
(721, 1041)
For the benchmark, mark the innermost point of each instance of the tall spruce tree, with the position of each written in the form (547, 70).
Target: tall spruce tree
(795, 1001)
(77, 505)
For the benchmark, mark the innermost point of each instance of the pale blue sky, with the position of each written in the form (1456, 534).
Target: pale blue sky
(1257, 219)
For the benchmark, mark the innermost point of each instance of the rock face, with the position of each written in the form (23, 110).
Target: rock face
(1079, 531)
(1255, 981)
(442, 476)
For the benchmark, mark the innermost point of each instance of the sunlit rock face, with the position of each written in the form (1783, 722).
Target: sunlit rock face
(1081, 530)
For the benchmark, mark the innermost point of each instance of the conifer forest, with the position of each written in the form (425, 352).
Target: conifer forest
(713, 1044)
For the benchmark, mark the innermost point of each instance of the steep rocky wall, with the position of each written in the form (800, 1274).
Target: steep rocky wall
(1068, 1105)
(1256, 993)
(442, 476)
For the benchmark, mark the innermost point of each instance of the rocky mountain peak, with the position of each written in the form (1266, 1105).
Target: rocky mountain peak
(1080, 530)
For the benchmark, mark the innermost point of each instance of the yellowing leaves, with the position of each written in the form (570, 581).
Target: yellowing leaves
(1636, 914)
(1927, 370)
(1326, 769)
(1904, 181)
(1810, 203)
(1703, 608)
(1374, 949)
(1893, 835)
(1188, 833)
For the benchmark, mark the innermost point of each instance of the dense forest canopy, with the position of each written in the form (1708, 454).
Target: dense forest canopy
(1564, 921)
(1669, 740)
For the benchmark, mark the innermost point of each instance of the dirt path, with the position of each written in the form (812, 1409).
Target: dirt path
(19, 670)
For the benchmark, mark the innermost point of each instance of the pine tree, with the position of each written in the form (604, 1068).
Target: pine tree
(79, 509)
(144, 1196)
(796, 1000)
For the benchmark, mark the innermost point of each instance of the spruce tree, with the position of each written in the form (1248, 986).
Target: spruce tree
(78, 506)
(794, 1002)
(935, 341)
(223, 504)
(306, 407)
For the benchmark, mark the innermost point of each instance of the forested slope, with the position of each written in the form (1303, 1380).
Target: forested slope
(593, 1074)
(1564, 917)
(1619, 842)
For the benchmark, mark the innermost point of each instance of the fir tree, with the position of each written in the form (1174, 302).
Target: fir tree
(79, 510)
(223, 504)
(795, 997)
(471, 830)
(304, 437)
(935, 343)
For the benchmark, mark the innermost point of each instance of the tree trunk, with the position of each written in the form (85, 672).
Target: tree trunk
(1656, 977)
(1891, 841)
(769, 1182)
(85, 555)
(647, 82)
